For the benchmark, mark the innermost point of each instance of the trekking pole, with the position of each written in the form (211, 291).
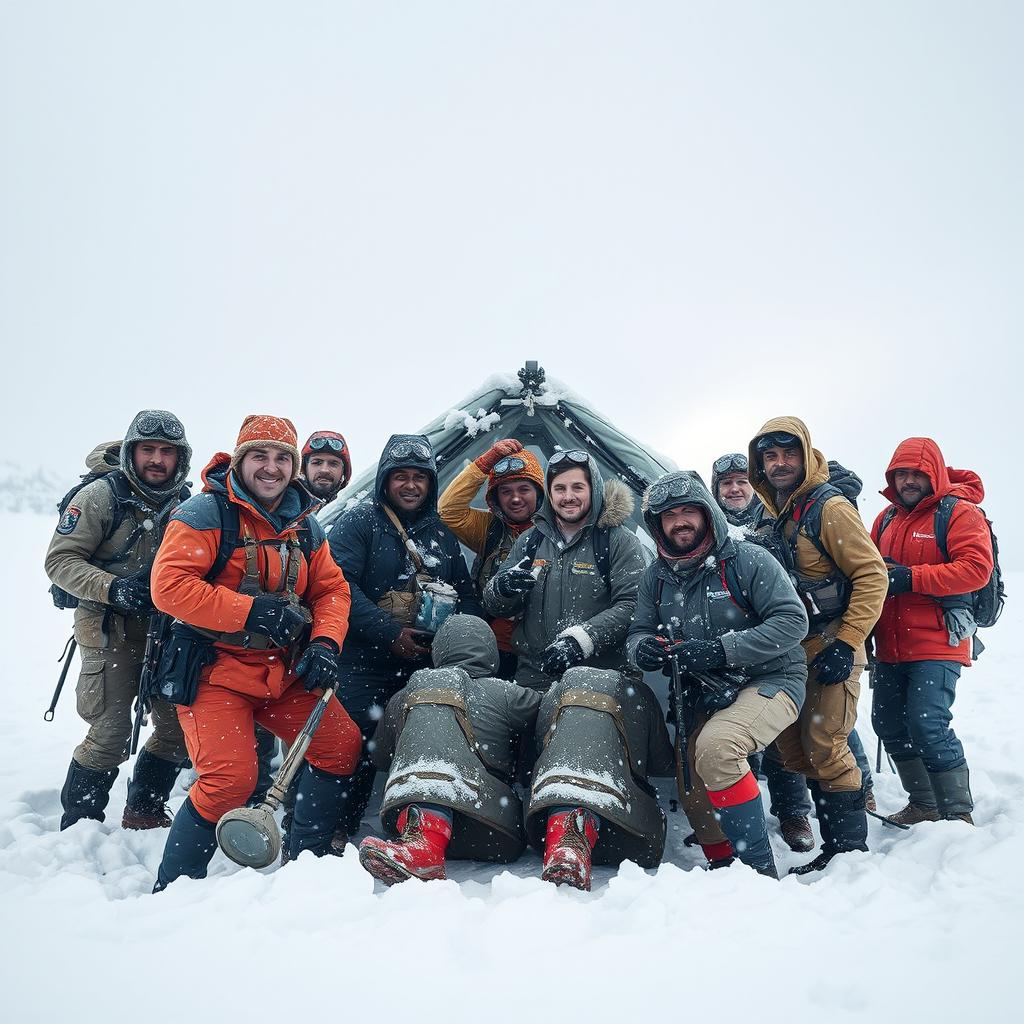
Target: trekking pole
(66, 655)
(249, 835)
(154, 637)
(887, 821)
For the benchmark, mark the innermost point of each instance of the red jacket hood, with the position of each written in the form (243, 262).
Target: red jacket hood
(924, 455)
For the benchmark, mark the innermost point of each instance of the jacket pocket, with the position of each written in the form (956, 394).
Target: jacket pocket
(91, 694)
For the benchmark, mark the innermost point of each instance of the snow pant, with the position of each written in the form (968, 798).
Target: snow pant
(266, 748)
(911, 711)
(365, 695)
(219, 733)
(788, 790)
(106, 691)
(841, 819)
(818, 743)
(717, 749)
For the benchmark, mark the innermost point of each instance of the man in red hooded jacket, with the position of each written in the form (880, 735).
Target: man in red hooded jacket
(918, 662)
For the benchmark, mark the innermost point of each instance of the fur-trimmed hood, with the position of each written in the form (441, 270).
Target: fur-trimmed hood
(611, 501)
(618, 505)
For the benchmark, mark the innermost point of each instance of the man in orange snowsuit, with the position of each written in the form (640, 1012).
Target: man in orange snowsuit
(256, 604)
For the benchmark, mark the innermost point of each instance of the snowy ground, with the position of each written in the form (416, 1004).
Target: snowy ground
(921, 928)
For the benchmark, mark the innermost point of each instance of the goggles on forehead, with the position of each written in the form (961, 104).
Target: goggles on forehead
(509, 464)
(157, 425)
(778, 439)
(334, 443)
(576, 455)
(665, 490)
(734, 463)
(409, 450)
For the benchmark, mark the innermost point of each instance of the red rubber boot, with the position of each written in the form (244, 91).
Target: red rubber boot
(418, 852)
(568, 843)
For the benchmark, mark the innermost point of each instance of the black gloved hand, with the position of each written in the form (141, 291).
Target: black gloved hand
(513, 582)
(651, 653)
(131, 593)
(834, 663)
(560, 655)
(276, 618)
(699, 655)
(318, 666)
(901, 580)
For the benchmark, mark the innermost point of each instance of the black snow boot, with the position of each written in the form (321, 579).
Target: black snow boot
(953, 794)
(148, 790)
(190, 847)
(85, 794)
(843, 823)
(318, 807)
(358, 790)
(745, 827)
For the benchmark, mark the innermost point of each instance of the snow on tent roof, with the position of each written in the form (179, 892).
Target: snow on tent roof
(544, 415)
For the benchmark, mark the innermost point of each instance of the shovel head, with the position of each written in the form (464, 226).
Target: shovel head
(249, 836)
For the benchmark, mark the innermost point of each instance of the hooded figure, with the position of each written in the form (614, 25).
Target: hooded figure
(101, 554)
(842, 580)
(450, 739)
(386, 553)
(726, 610)
(723, 466)
(918, 657)
(585, 587)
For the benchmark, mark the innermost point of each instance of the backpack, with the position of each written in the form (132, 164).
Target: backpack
(230, 529)
(986, 602)
(602, 551)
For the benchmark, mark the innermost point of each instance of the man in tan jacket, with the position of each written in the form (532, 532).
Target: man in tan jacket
(819, 536)
(100, 555)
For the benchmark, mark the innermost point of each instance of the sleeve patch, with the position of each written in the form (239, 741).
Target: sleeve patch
(69, 520)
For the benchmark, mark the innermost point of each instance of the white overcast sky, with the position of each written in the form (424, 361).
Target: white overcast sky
(697, 215)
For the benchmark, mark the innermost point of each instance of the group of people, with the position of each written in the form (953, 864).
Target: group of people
(507, 702)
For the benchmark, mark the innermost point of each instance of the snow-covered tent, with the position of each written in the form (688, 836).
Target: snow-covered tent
(545, 416)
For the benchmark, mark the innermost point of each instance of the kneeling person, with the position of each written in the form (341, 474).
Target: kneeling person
(602, 737)
(255, 607)
(728, 613)
(450, 739)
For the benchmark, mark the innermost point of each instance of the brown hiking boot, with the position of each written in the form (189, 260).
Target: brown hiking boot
(913, 814)
(959, 817)
(797, 834)
(141, 821)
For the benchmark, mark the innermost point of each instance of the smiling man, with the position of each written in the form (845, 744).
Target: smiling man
(326, 464)
(731, 488)
(515, 488)
(389, 546)
(101, 554)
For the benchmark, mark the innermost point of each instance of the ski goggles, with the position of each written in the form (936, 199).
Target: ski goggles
(158, 424)
(317, 444)
(777, 439)
(409, 450)
(734, 463)
(669, 490)
(509, 464)
(576, 455)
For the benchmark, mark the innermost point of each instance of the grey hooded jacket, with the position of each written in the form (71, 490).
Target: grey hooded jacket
(761, 632)
(499, 711)
(570, 597)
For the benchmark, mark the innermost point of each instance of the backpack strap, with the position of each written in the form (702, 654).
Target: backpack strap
(410, 547)
(887, 517)
(534, 539)
(731, 579)
(808, 517)
(943, 517)
(603, 554)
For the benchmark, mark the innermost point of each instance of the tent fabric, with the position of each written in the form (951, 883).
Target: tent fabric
(545, 418)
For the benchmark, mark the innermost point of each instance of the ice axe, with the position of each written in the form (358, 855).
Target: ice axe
(249, 835)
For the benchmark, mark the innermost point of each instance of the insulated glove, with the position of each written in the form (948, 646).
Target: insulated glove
(490, 458)
(834, 663)
(131, 593)
(318, 666)
(651, 653)
(699, 655)
(276, 618)
(514, 582)
(901, 580)
(408, 644)
(560, 655)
